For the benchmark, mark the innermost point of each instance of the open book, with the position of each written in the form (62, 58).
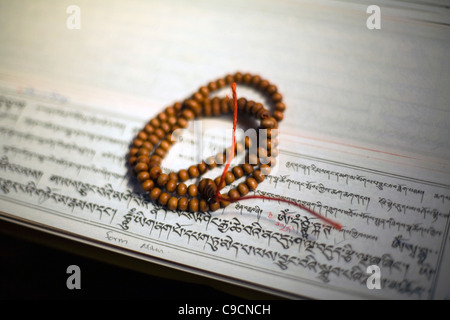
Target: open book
(364, 142)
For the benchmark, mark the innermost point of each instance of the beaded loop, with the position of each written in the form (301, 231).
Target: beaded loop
(152, 143)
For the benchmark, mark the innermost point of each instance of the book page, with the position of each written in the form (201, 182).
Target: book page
(364, 140)
(63, 169)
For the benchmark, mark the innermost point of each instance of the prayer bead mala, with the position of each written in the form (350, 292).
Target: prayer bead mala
(154, 141)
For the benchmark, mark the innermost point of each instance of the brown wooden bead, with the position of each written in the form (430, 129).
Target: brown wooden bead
(248, 142)
(265, 169)
(252, 184)
(238, 77)
(143, 175)
(214, 206)
(224, 106)
(193, 205)
(263, 84)
(149, 128)
(162, 116)
(217, 182)
(183, 204)
(256, 80)
(221, 83)
(202, 167)
(277, 97)
(203, 206)
(155, 123)
(193, 172)
(207, 188)
(271, 89)
(155, 193)
(171, 185)
(248, 168)
(234, 194)
(155, 172)
(170, 112)
(143, 152)
(278, 115)
(258, 176)
(141, 166)
(183, 175)
(181, 189)
(225, 201)
(134, 151)
(192, 190)
(132, 160)
(147, 185)
(163, 198)
(172, 204)
(207, 108)
(155, 158)
(173, 176)
(165, 127)
(247, 78)
(229, 79)
(159, 133)
(221, 158)
(211, 162)
(182, 122)
(177, 106)
(162, 179)
(138, 143)
(252, 159)
(212, 86)
(153, 139)
(204, 91)
(143, 159)
(216, 107)
(229, 177)
(198, 97)
(280, 106)
(241, 103)
(243, 189)
(238, 172)
(268, 123)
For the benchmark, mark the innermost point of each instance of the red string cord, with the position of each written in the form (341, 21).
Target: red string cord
(219, 197)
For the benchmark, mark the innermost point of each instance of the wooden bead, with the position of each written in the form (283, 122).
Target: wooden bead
(268, 123)
(155, 193)
(183, 204)
(202, 167)
(238, 77)
(192, 190)
(277, 97)
(141, 166)
(132, 160)
(172, 204)
(258, 176)
(163, 198)
(280, 106)
(217, 182)
(171, 185)
(211, 162)
(193, 172)
(188, 114)
(147, 185)
(181, 189)
(238, 172)
(247, 78)
(278, 115)
(271, 89)
(229, 79)
(193, 205)
(229, 177)
(155, 172)
(234, 194)
(143, 159)
(243, 189)
(221, 83)
(183, 175)
(224, 202)
(138, 143)
(265, 169)
(255, 80)
(221, 158)
(204, 91)
(263, 84)
(252, 184)
(203, 205)
(143, 175)
(149, 128)
(173, 176)
(155, 123)
(214, 206)
(248, 168)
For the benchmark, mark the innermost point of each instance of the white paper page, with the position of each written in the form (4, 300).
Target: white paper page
(365, 108)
